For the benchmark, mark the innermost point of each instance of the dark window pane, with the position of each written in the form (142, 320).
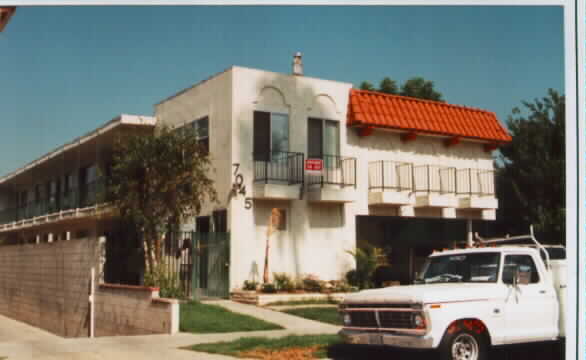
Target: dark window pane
(314, 138)
(262, 135)
(525, 267)
(201, 127)
(331, 138)
(221, 221)
(205, 145)
(279, 133)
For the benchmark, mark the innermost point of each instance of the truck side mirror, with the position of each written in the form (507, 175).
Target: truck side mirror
(523, 275)
(510, 274)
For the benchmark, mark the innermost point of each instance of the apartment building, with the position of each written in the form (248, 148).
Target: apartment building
(392, 166)
(404, 174)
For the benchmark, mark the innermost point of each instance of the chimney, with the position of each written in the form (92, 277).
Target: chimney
(297, 64)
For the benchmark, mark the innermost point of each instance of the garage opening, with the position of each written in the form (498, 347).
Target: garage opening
(407, 242)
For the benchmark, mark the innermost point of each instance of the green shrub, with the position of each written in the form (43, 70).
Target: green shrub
(342, 286)
(367, 259)
(250, 285)
(312, 283)
(268, 288)
(167, 282)
(352, 277)
(283, 282)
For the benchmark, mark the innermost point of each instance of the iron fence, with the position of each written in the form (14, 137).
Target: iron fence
(198, 263)
(337, 170)
(279, 166)
(390, 175)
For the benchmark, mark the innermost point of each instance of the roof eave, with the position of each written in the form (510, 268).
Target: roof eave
(358, 123)
(123, 119)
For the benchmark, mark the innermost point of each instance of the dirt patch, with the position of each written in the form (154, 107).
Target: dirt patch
(294, 353)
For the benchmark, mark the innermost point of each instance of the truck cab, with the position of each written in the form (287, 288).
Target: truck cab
(464, 301)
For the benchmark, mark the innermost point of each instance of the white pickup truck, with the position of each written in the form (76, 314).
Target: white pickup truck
(465, 301)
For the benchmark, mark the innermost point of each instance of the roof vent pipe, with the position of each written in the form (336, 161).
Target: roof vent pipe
(297, 64)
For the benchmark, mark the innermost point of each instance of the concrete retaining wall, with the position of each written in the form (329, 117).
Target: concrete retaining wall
(134, 310)
(261, 299)
(47, 285)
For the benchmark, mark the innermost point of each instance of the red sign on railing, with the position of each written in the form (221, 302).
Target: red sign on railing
(314, 166)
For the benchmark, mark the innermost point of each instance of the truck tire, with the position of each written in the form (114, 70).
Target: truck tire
(463, 345)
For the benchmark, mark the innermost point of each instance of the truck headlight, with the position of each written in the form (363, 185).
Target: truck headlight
(347, 320)
(418, 321)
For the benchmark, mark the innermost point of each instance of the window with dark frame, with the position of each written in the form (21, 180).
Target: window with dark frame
(270, 135)
(524, 265)
(323, 140)
(201, 128)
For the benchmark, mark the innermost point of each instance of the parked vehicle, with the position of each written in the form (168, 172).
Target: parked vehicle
(466, 300)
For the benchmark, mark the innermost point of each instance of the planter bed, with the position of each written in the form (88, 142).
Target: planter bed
(261, 299)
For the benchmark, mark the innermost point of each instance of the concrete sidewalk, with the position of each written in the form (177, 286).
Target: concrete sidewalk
(19, 341)
(291, 307)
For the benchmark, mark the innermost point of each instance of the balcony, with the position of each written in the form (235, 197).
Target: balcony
(475, 189)
(406, 186)
(336, 184)
(390, 183)
(74, 202)
(278, 175)
(435, 186)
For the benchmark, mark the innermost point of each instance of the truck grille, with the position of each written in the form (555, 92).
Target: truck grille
(395, 319)
(386, 319)
(363, 319)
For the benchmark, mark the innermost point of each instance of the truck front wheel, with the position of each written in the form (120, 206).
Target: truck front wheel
(463, 344)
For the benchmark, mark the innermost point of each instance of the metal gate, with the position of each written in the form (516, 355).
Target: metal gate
(210, 265)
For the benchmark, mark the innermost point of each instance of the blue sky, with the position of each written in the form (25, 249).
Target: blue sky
(67, 70)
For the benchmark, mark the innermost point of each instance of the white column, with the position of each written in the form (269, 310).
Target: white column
(470, 239)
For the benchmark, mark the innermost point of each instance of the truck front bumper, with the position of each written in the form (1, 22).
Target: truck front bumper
(387, 339)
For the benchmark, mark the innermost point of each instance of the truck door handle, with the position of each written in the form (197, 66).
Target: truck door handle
(542, 291)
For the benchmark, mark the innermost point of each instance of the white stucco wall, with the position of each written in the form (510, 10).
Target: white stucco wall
(317, 236)
(211, 98)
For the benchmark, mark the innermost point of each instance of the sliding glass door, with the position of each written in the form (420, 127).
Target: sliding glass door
(323, 141)
(270, 135)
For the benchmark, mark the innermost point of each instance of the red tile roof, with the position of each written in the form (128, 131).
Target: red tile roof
(370, 108)
(6, 13)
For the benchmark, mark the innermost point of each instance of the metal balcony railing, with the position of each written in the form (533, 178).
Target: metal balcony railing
(390, 175)
(337, 170)
(434, 179)
(279, 167)
(86, 196)
(475, 182)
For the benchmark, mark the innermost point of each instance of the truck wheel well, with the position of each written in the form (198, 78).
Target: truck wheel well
(470, 324)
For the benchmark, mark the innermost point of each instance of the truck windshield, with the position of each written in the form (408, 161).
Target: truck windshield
(479, 267)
